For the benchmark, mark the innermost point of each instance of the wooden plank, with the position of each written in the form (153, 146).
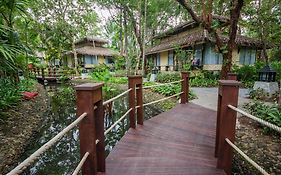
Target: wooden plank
(179, 141)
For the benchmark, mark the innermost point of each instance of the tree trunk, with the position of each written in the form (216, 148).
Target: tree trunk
(128, 64)
(234, 16)
(121, 33)
(143, 38)
(75, 59)
(206, 23)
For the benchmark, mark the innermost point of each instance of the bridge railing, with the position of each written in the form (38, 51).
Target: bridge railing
(90, 112)
(33, 157)
(226, 125)
(89, 98)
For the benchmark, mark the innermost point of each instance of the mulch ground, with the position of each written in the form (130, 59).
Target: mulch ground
(263, 148)
(17, 131)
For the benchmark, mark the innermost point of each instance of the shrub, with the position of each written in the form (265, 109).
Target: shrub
(202, 82)
(10, 92)
(268, 113)
(277, 66)
(169, 90)
(168, 77)
(259, 94)
(246, 73)
(119, 80)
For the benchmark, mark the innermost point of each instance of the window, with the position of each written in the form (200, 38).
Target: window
(109, 60)
(171, 58)
(91, 59)
(211, 56)
(198, 55)
(157, 61)
(247, 56)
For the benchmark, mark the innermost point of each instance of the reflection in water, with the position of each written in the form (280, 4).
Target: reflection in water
(64, 156)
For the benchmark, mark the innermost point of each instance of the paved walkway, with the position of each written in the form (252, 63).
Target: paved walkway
(208, 97)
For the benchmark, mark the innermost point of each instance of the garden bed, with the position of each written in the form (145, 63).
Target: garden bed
(23, 121)
(264, 149)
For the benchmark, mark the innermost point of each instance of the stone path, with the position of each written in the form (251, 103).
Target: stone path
(208, 97)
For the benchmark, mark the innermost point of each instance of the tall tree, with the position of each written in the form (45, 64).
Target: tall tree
(159, 17)
(62, 22)
(266, 15)
(206, 21)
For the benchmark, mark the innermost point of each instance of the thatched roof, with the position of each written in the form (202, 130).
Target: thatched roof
(91, 50)
(199, 37)
(188, 25)
(91, 39)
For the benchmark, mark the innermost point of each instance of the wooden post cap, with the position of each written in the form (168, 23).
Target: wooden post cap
(185, 72)
(88, 86)
(229, 83)
(134, 76)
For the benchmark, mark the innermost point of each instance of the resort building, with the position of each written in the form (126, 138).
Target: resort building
(90, 52)
(191, 36)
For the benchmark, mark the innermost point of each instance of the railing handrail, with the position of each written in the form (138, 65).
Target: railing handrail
(261, 121)
(162, 99)
(247, 158)
(162, 84)
(28, 161)
(116, 97)
(81, 163)
(118, 121)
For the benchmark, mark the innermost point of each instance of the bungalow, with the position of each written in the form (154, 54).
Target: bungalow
(192, 36)
(90, 52)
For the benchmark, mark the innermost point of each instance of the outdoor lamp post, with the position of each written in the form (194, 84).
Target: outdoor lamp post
(20, 74)
(266, 82)
(154, 70)
(84, 73)
(267, 74)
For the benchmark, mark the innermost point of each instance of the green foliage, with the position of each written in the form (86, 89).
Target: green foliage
(101, 73)
(277, 66)
(202, 82)
(183, 58)
(64, 96)
(268, 113)
(168, 77)
(10, 92)
(248, 74)
(169, 90)
(259, 94)
(201, 79)
(204, 79)
(11, 47)
(119, 80)
(119, 63)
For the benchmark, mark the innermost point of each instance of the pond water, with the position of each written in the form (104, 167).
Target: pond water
(64, 156)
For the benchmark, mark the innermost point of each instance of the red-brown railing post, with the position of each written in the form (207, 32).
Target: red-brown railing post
(226, 122)
(232, 76)
(135, 81)
(91, 127)
(184, 87)
(139, 102)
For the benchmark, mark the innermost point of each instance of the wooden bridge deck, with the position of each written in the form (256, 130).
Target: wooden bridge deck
(179, 141)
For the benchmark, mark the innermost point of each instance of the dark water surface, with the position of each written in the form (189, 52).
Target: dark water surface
(63, 157)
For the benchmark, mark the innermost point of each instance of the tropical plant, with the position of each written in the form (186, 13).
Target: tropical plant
(11, 92)
(268, 113)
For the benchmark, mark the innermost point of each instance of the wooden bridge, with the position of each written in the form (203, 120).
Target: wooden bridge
(179, 141)
(50, 74)
(186, 140)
